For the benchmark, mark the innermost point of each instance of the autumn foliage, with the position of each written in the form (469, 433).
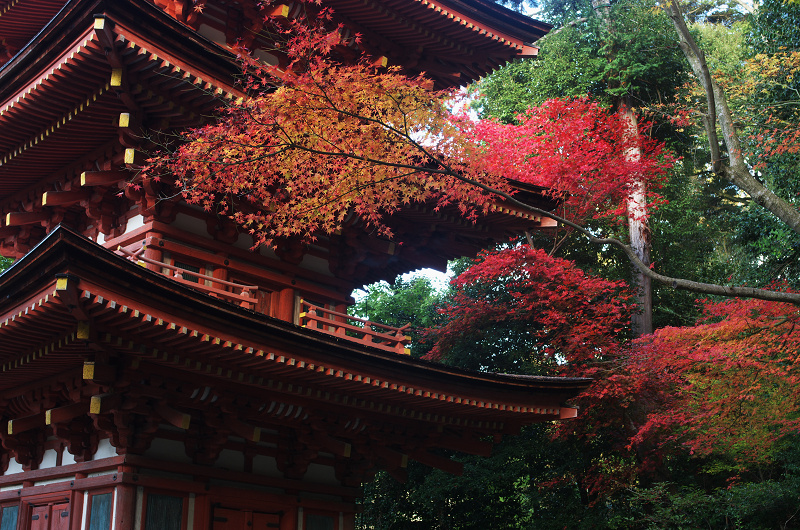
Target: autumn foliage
(326, 139)
(578, 149)
(722, 392)
(727, 385)
(571, 317)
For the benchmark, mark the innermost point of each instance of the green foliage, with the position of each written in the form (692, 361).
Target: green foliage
(636, 57)
(5, 263)
(766, 250)
(776, 26)
(690, 241)
(763, 503)
(560, 71)
(724, 46)
(502, 492)
(412, 301)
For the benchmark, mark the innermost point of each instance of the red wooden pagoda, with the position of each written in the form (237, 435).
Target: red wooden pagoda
(154, 372)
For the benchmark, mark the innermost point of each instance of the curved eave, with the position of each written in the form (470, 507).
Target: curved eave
(147, 316)
(20, 20)
(52, 114)
(452, 42)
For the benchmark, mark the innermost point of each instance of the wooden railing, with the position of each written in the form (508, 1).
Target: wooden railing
(352, 328)
(244, 295)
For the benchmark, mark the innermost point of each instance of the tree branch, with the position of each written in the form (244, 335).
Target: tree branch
(736, 169)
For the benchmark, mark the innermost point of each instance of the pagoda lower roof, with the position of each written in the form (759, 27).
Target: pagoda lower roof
(69, 300)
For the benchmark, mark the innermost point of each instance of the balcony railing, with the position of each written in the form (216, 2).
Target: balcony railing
(244, 295)
(356, 329)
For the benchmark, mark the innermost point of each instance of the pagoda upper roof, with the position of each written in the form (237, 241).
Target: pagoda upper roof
(58, 98)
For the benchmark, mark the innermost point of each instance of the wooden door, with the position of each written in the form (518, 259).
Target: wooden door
(40, 517)
(59, 517)
(50, 517)
(264, 521)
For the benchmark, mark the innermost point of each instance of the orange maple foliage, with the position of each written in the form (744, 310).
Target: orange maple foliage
(322, 143)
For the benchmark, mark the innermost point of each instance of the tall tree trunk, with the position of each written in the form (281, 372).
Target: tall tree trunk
(639, 228)
(642, 320)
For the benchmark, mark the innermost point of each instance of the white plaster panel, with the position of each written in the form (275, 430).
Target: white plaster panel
(190, 518)
(137, 524)
(321, 474)
(49, 459)
(191, 224)
(13, 467)
(212, 34)
(67, 458)
(137, 221)
(114, 502)
(266, 465)
(104, 450)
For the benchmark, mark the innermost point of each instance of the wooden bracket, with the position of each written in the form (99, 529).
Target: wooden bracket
(103, 178)
(65, 198)
(174, 417)
(105, 403)
(26, 423)
(248, 432)
(26, 218)
(65, 413)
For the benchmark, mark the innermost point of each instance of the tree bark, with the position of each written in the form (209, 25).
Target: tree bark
(639, 229)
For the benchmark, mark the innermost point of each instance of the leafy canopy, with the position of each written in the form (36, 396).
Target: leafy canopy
(320, 143)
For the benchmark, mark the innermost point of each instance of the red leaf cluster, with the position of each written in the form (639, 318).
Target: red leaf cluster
(728, 385)
(578, 149)
(575, 318)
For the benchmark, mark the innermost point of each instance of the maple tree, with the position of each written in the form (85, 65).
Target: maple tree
(564, 315)
(730, 382)
(321, 142)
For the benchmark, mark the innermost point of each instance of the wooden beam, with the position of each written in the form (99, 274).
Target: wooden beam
(174, 417)
(333, 445)
(65, 198)
(280, 10)
(103, 178)
(104, 403)
(65, 413)
(248, 432)
(101, 373)
(25, 218)
(567, 413)
(27, 423)
(394, 459)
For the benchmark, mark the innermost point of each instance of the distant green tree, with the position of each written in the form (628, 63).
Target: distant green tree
(633, 56)
(413, 301)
